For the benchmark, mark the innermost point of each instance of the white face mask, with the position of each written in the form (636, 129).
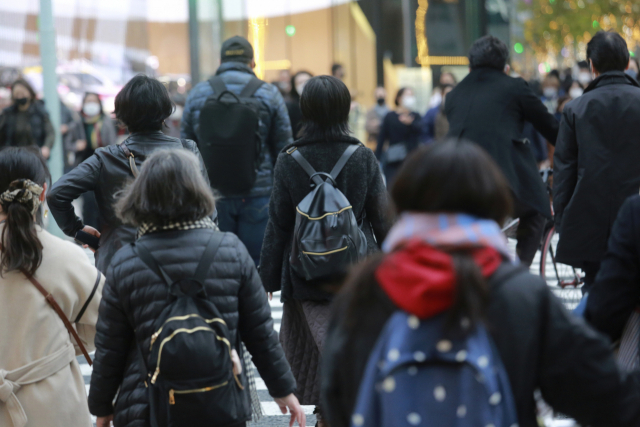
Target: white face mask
(177, 114)
(575, 92)
(584, 77)
(409, 102)
(91, 109)
(550, 92)
(300, 88)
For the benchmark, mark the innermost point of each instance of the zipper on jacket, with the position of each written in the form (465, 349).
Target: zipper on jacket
(172, 392)
(326, 253)
(156, 334)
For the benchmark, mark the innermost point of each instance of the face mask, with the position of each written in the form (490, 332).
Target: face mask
(584, 77)
(21, 101)
(300, 88)
(550, 92)
(633, 74)
(409, 102)
(91, 109)
(177, 114)
(380, 101)
(575, 92)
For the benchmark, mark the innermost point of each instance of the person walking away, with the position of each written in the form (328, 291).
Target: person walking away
(245, 191)
(399, 133)
(447, 256)
(374, 117)
(97, 131)
(298, 81)
(179, 243)
(596, 158)
(142, 106)
(325, 108)
(472, 110)
(40, 379)
(26, 122)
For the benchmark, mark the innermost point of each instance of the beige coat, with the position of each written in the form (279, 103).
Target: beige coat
(31, 330)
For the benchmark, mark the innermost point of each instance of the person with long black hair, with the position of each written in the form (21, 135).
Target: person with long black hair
(40, 379)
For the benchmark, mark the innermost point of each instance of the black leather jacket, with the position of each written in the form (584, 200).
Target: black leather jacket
(104, 173)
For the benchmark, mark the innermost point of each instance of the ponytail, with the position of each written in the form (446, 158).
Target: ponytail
(21, 248)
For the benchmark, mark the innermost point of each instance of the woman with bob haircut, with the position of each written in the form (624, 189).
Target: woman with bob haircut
(174, 223)
(142, 106)
(446, 244)
(41, 383)
(325, 104)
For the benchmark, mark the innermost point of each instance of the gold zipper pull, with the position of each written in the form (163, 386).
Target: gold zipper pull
(155, 375)
(172, 399)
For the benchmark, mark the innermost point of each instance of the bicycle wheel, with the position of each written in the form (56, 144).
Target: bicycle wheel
(565, 280)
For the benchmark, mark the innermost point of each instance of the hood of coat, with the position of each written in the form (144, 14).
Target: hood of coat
(610, 78)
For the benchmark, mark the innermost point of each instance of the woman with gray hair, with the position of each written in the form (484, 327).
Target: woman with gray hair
(174, 247)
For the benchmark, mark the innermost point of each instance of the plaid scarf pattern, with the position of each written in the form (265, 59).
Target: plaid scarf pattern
(147, 228)
(447, 232)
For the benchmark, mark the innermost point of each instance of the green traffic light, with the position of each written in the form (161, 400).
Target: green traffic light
(518, 48)
(595, 24)
(290, 30)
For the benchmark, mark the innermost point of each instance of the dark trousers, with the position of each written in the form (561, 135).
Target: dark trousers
(529, 233)
(246, 217)
(590, 269)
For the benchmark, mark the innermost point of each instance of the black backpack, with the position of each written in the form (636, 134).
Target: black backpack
(229, 137)
(191, 381)
(326, 237)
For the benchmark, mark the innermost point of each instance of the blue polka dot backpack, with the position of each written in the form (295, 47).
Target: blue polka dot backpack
(418, 376)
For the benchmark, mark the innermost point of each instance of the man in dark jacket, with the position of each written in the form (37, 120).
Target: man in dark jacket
(597, 156)
(490, 108)
(245, 215)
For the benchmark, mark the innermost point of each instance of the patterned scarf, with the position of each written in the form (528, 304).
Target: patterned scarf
(25, 192)
(205, 222)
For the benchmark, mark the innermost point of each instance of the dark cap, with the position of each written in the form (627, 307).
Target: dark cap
(236, 49)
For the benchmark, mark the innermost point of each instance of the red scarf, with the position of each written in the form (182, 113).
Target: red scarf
(421, 279)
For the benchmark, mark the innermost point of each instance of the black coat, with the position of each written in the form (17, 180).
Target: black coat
(541, 344)
(105, 173)
(40, 130)
(134, 296)
(490, 108)
(360, 181)
(616, 291)
(596, 165)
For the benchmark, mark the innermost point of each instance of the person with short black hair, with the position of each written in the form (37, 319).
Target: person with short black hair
(597, 156)
(490, 108)
(142, 106)
(337, 71)
(325, 105)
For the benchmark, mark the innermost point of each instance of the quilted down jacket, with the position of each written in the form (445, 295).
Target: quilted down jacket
(275, 128)
(134, 297)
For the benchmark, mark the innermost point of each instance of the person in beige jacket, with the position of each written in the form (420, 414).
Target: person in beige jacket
(40, 379)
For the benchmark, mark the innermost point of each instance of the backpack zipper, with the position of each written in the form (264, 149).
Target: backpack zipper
(172, 392)
(325, 215)
(326, 253)
(156, 334)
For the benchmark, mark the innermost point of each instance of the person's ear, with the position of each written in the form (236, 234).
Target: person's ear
(252, 64)
(44, 191)
(593, 69)
(507, 69)
(628, 63)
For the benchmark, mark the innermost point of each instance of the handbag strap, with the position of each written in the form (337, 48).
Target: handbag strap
(52, 301)
(131, 157)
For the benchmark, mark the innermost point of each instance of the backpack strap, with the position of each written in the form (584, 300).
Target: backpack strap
(151, 262)
(217, 84)
(305, 165)
(343, 160)
(208, 256)
(131, 157)
(251, 87)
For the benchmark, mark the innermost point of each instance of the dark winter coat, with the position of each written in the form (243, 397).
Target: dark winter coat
(596, 165)
(541, 344)
(134, 296)
(105, 173)
(275, 128)
(490, 108)
(39, 130)
(616, 291)
(360, 181)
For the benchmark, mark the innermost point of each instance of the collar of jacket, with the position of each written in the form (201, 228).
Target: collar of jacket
(137, 140)
(234, 66)
(610, 78)
(308, 141)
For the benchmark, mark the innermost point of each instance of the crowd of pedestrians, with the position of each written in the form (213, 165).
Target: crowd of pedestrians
(388, 253)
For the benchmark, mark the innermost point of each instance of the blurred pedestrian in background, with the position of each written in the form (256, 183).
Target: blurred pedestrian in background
(375, 116)
(245, 215)
(284, 84)
(325, 108)
(40, 378)
(399, 133)
(584, 73)
(575, 90)
(26, 122)
(357, 117)
(490, 108)
(174, 224)
(337, 71)
(634, 66)
(434, 123)
(142, 106)
(596, 157)
(298, 81)
(550, 92)
(437, 262)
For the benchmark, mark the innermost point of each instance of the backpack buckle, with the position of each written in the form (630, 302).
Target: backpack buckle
(291, 150)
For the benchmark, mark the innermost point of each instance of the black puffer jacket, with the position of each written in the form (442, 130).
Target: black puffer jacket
(134, 297)
(360, 181)
(105, 173)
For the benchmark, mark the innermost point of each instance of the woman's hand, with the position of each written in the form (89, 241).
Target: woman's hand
(297, 413)
(90, 230)
(406, 119)
(45, 152)
(104, 421)
(81, 144)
